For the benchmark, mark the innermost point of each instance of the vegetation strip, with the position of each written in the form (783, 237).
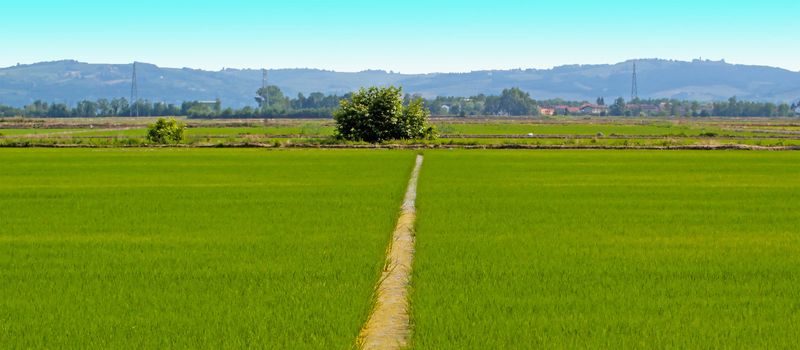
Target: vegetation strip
(698, 147)
(388, 326)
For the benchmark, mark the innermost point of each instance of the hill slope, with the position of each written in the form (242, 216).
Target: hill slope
(71, 81)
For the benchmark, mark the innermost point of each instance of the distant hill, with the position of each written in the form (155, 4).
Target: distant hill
(71, 81)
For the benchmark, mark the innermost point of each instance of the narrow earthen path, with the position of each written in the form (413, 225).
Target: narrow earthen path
(389, 326)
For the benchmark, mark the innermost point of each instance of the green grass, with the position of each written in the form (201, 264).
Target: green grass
(307, 130)
(565, 131)
(129, 132)
(587, 128)
(193, 248)
(608, 250)
(35, 131)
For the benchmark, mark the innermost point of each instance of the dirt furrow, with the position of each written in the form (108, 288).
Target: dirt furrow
(388, 326)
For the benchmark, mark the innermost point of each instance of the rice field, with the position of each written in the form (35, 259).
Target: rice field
(587, 128)
(607, 250)
(189, 248)
(243, 248)
(498, 132)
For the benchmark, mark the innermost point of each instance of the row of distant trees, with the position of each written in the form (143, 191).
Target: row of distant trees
(515, 102)
(117, 107)
(511, 102)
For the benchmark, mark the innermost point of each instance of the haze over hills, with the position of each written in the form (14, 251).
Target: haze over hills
(71, 81)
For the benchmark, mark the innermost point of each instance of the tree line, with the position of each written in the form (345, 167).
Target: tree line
(272, 103)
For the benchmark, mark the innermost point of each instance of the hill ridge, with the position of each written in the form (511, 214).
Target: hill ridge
(71, 81)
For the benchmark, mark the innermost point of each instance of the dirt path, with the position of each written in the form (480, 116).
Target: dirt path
(61, 133)
(388, 326)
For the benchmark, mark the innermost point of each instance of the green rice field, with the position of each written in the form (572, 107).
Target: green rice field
(607, 250)
(455, 132)
(571, 129)
(515, 249)
(190, 248)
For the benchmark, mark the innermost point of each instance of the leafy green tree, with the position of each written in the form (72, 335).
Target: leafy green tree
(618, 108)
(119, 106)
(165, 131)
(513, 102)
(695, 108)
(271, 97)
(58, 110)
(37, 109)
(85, 109)
(315, 100)
(784, 110)
(8, 111)
(378, 114)
(103, 107)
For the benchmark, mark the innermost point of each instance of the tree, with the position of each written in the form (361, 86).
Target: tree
(733, 107)
(271, 96)
(85, 109)
(601, 101)
(513, 102)
(165, 131)
(315, 100)
(58, 110)
(695, 108)
(674, 109)
(37, 109)
(784, 110)
(119, 106)
(378, 114)
(618, 108)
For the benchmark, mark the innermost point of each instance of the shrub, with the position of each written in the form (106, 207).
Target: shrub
(165, 131)
(378, 114)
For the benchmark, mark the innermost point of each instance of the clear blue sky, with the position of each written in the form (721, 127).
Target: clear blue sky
(410, 36)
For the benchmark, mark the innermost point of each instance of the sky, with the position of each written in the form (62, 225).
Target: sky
(409, 36)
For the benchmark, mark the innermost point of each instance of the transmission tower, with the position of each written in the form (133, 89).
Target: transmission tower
(134, 93)
(634, 85)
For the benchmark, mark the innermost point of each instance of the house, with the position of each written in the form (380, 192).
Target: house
(566, 110)
(643, 108)
(547, 111)
(593, 109)
(650, 109)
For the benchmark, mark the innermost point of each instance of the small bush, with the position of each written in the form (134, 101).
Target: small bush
(165, 131)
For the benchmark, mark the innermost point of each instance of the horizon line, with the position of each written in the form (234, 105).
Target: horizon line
(632, 60)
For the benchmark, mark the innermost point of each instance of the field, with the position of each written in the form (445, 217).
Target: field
(607, 249)
(145, 248)
(202, 247)
(495, 132)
